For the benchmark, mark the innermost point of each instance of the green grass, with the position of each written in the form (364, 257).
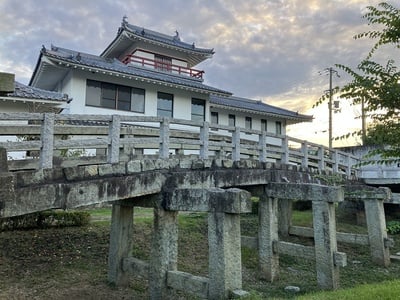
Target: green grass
(361, 279)
(385, 290)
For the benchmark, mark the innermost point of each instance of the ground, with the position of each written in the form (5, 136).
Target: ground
(71, 263)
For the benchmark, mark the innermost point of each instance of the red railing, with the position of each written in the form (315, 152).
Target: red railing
(146, 62)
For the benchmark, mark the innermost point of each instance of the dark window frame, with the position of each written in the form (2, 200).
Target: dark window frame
(195, 116)
(111, 96)
(162, 100)
(278, 127)
(264, 125)
(248, 123)
(230, 118)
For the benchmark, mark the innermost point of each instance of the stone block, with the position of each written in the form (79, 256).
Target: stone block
(148, 165)
(185, 163)
(133, 166)
(112, 169)
(227, 163)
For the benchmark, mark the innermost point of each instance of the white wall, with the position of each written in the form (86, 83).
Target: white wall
(75, 87)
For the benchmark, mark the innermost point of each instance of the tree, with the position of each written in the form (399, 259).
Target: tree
(376, 86)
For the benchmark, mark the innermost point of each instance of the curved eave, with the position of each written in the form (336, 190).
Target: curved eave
(56, 103)
(194, 57)
(71, 65)
(290, 119)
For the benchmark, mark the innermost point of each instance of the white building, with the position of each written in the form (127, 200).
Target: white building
(143, 72)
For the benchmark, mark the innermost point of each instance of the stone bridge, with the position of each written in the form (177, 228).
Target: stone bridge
(176, 165)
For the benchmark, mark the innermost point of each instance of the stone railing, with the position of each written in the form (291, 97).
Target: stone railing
(41, 140)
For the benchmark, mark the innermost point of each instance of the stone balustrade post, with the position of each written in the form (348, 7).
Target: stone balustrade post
(164, 138)
(114, 131)
(304, 151)
(236, 144)
(262, 145)
(47, 141)
(204, 137)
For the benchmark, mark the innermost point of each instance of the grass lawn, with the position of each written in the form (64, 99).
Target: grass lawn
(71, 263)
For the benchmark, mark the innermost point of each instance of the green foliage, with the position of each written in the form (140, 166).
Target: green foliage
(393, 227)
(331, 179)
(377, 85)
(46, 219)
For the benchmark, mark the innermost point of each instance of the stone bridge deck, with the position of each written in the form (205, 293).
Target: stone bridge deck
(188, 168)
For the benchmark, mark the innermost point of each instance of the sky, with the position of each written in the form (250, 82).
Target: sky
(276, 51)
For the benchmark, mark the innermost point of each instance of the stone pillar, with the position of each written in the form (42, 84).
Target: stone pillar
(325, 244)
(164, 251)
(267, 235)
(285, 207)
(121, 242)
(375, 216)
(3, 160)
(225, 263)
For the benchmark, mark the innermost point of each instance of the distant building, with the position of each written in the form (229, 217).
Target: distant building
(143, 72)
(17, 97)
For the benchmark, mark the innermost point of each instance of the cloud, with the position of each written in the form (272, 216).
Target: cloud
(270, 50)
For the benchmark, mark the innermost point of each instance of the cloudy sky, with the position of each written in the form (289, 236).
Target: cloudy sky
(273, 50)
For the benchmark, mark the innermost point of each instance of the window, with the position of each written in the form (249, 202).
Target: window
(198, 110)
(214, 117)
(162, 63)
(114, 96)
(264, 126)
(137, 100)
(232, 120)
(278, 127)
(248, 123)
(165, 104)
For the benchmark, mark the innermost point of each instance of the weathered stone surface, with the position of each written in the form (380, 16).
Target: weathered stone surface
(121, 243)
(7, 194)
(306, 192)
(185, 163)
(225, 263)
(116, 169)
(3, 160)
(230, 201)
(133, 166)
(148, 165)
(292, 289)
(189, 283)
(238, 294)
(325, 244)
(377, 233)
(81, 172)
(267, 235)
(164, 251)
(136, 267)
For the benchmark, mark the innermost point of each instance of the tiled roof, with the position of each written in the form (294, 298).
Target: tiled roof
(256, 107)
(114, 65)
(29, 92)
(163, 38)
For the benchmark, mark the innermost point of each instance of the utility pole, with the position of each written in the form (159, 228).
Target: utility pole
(363, 121)
(330, 107)
(331, 71)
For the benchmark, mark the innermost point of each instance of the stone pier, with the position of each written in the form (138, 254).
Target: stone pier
(224, 239)
(327, 258)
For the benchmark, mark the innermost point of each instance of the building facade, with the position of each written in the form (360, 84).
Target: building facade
(143, 72)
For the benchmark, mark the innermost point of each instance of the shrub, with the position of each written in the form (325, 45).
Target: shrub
(45, 219)
(393, 227)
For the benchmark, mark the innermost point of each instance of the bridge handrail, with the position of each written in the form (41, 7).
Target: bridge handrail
(163, 135)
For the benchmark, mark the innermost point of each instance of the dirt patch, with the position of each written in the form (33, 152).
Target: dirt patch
(58, 263)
